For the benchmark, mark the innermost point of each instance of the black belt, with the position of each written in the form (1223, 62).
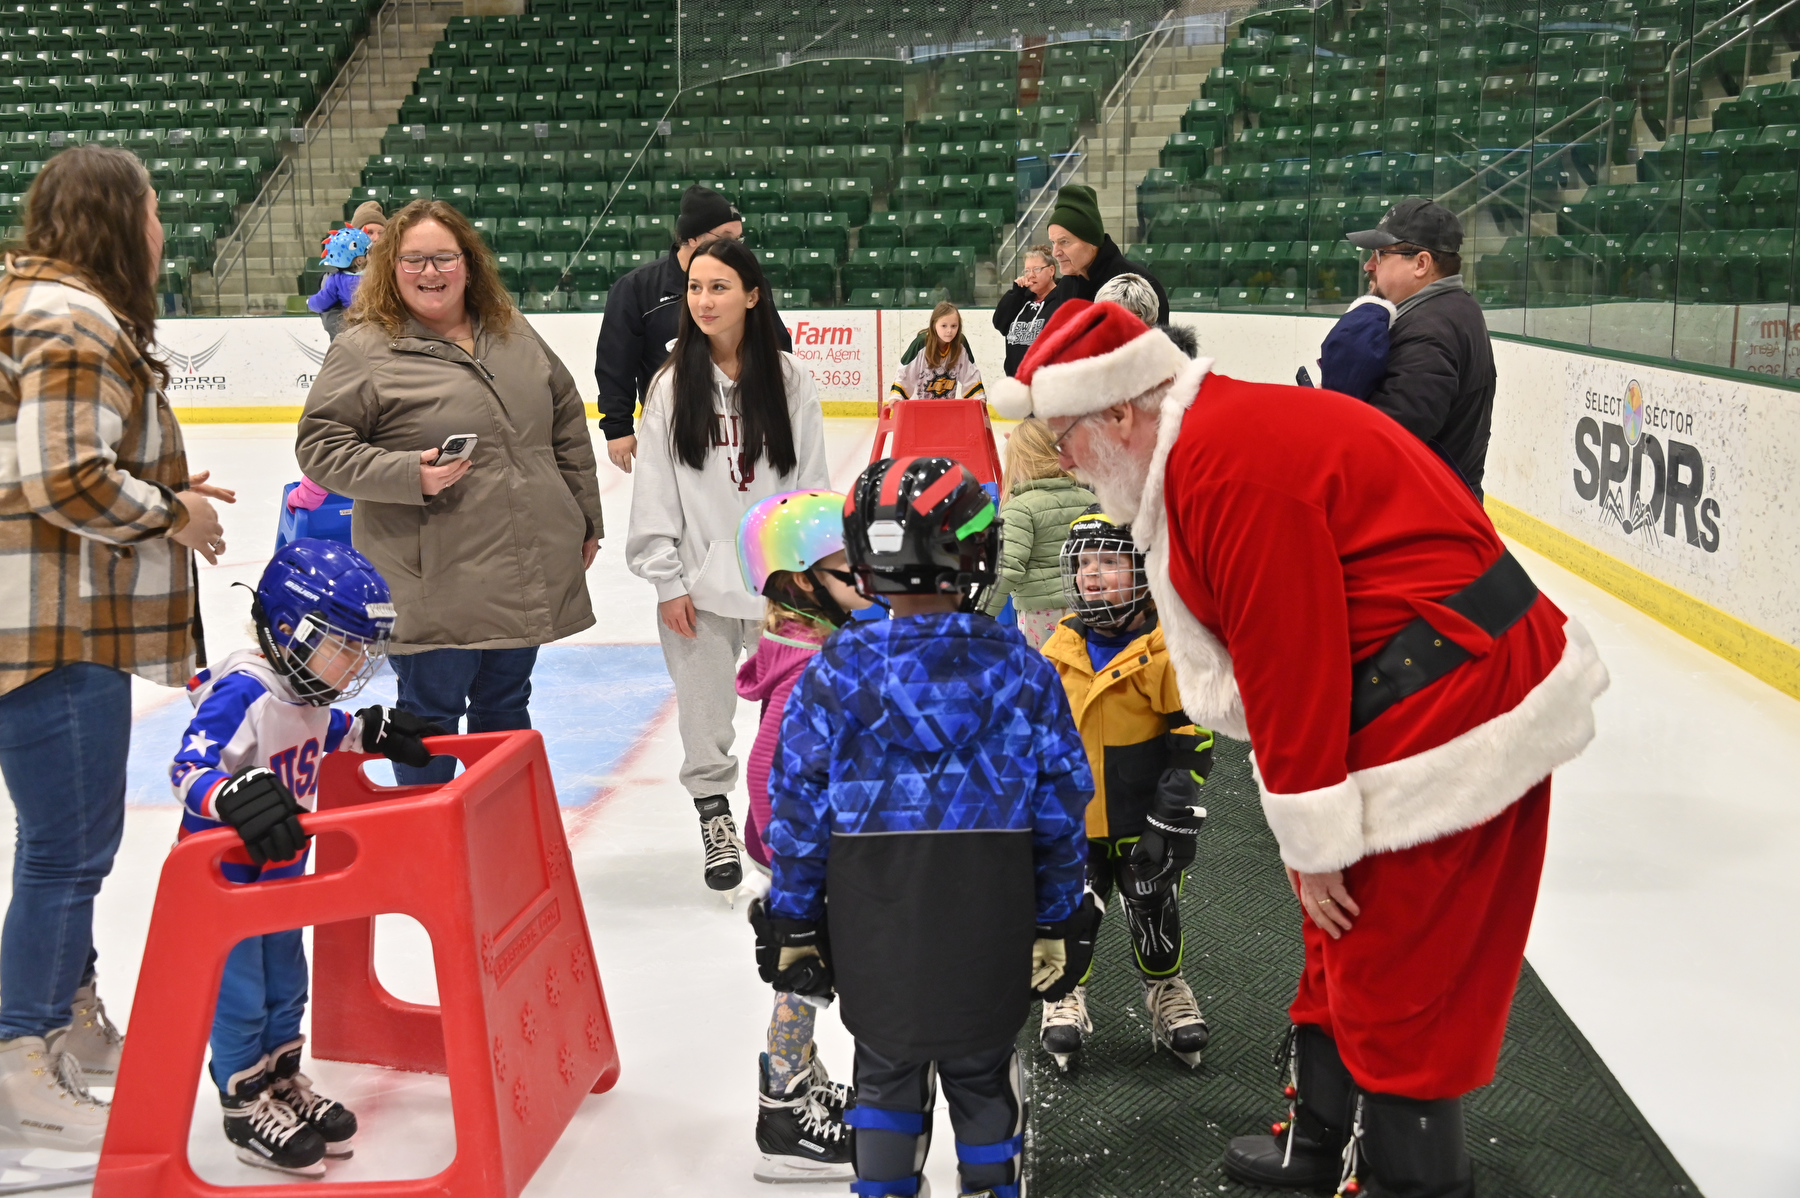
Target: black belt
(1419, 654)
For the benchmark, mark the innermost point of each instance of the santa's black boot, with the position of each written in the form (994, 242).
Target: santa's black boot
(1414, 1148)
(1306, 1153)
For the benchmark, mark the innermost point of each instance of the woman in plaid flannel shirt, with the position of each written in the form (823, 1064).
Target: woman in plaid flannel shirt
(99, 520)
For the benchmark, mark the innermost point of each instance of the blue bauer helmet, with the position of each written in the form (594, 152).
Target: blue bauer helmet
(323, 617)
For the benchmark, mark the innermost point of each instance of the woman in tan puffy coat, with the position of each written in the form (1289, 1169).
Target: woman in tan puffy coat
(486, 556)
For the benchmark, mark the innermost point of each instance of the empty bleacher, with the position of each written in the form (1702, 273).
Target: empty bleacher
(1583, 176)
(203, 91)
(567, 134)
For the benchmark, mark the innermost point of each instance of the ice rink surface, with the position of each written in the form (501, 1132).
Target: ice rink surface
(1664, 925)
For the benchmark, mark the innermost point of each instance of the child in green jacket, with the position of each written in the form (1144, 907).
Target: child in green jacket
(1041, 499)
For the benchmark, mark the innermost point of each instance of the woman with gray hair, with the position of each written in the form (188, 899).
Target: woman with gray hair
(1022, 311)
(1135, 294)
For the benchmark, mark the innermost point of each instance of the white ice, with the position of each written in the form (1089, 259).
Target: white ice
(1662, 927)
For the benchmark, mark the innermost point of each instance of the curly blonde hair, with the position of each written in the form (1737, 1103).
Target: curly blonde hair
(378, 299)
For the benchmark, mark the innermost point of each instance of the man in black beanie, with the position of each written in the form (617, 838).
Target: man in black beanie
(643, 316)
(1087, 255)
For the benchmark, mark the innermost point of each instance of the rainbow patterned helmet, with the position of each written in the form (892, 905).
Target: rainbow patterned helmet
(344, 247)
(790, 531)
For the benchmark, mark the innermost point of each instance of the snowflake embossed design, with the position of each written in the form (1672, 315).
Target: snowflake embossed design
(499, 1059)
(528, 1023)
(593, 1033)
(553, 986)
(578, 965)
(521, 1099)
(565, 1064)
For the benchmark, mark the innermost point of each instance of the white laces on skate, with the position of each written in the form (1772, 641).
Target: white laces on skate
(721, 840)
(65, 1074)
(823, 1089)
(817, 1119)
(273, 1121)
(95, 1017)
(1172, 1003)
(296, 1093)
(1069, 1011)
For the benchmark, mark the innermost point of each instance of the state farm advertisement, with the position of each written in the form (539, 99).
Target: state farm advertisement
(842, 351)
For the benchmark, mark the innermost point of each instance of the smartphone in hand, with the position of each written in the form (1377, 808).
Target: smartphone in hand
(456, 447)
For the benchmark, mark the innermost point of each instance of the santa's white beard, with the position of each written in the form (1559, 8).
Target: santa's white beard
(1115, 476)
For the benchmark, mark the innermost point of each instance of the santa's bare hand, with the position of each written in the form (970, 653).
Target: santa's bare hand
(1325, 900)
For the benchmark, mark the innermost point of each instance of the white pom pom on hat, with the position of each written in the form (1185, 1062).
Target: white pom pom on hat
(1088, 358)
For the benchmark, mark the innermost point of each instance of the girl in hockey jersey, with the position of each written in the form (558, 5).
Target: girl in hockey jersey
(791, 550)
(938, 364)
(250, 760)
(1148, 761)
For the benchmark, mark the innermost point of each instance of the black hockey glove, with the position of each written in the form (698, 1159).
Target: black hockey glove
(791, 954)
(1167, 844)
(265, 814)
(1063, 950)
(397, 735)
(1190, 750)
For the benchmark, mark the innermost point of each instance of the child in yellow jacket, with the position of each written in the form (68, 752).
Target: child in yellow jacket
(1148, 761)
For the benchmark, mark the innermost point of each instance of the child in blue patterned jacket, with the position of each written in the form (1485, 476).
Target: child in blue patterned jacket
(930, 781)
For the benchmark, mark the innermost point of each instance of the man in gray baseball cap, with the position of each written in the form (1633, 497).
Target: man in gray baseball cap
(1440, 369)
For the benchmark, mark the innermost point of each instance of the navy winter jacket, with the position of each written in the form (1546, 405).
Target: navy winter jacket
(930, 781)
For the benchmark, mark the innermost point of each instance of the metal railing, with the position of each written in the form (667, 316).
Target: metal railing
(1068, 165)
(367, 58)
(1748, 33)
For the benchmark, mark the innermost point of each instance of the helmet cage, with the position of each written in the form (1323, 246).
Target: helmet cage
(1099, 611)
(291, 656)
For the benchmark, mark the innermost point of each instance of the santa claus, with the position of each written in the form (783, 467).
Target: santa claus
(1333, 592)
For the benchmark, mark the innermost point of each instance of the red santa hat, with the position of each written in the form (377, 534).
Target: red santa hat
(1088, 358)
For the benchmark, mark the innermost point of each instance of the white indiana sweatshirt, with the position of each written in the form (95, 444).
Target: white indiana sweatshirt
(684, 522)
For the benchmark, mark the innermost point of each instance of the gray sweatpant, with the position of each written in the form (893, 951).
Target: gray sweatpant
(704, 671)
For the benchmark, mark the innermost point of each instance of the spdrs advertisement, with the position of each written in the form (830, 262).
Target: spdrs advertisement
(1656, 459)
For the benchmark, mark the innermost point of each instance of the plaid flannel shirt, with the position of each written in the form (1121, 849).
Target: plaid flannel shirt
(90, 461)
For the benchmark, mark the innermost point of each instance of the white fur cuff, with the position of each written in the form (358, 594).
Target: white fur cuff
(1373, 299)
(1318, 830)
(1010, 397)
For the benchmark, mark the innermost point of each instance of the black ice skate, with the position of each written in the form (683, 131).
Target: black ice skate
(333, 1120)
(801, 1139)
(1304, 1151)
(719, 839)
(266, 1133)
(1175, 1019)
(1066, 1021)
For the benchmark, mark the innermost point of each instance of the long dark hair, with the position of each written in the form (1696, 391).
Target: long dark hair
(85, 209)
(762, 385)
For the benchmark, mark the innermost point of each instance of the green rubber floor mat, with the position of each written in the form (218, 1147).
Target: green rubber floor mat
(1129, 1122)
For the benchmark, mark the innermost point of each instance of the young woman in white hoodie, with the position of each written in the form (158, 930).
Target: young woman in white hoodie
(729, 420)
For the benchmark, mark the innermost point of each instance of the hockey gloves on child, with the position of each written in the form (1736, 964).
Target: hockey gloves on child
(264, 812)
(791, 954)
(1062, 952)
(1166, 846)
(397, 735)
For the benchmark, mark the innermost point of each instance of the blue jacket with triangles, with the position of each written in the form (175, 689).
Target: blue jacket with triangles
(930, 783)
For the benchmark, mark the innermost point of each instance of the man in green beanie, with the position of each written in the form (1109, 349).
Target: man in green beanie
(1087, 256)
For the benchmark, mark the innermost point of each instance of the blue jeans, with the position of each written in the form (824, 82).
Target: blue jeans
(64, 737)
(493, 686)
(261, 999)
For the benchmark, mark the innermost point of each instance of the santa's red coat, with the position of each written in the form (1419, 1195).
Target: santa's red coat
(1291, 531)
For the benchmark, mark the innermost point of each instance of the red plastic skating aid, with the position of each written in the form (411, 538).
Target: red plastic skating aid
(482, 863)
(957, 429)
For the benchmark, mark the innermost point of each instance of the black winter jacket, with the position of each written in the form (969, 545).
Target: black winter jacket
(1107, 263)
(1014, 304)
(643, 317)
(1440, 379)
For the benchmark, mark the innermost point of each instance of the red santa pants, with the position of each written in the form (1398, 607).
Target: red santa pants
(1417, 993)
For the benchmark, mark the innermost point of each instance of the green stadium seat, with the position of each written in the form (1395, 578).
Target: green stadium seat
(652, 232)
(872, 268)
(873, 297)
(543, 271)
(815, 269)
(828, 230)
(516, 235)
